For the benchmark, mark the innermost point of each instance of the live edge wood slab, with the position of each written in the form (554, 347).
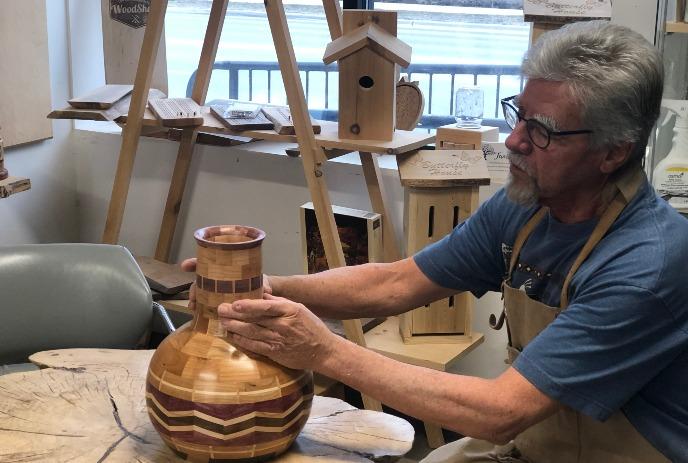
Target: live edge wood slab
(88, 405)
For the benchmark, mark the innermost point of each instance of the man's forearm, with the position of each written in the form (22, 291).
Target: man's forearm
(494, 410)
(342, 293)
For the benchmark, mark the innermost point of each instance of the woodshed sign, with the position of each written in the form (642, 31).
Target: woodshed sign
(133, 13)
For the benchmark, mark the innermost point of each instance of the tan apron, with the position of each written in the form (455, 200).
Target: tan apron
(566, 436)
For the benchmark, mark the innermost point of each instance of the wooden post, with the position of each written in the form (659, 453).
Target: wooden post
(312, 155)
(188, 141)
(132, 130)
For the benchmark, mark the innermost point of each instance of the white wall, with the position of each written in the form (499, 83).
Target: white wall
(48, 211)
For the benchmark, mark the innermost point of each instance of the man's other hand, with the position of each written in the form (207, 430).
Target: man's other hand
(285, 331)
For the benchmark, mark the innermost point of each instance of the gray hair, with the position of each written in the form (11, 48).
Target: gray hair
(613, 73)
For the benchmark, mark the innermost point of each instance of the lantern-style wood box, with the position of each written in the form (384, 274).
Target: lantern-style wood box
(360, 233)
(368, 53)
(441, 191)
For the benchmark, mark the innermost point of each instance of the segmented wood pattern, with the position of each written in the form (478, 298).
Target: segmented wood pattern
(206, 398)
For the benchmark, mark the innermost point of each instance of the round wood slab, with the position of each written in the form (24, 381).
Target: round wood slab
(89, 405)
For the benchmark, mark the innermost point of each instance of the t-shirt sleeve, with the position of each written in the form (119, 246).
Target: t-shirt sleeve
(602, 350)
(470, 257)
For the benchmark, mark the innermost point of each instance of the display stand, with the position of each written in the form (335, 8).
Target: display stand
(314, 151)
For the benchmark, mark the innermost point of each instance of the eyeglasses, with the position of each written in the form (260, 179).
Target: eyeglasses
(539, 134)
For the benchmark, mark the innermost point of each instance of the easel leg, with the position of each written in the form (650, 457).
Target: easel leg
(132, 130)
(373, 177)
(175, 195)
(312, 155)
(188, 141)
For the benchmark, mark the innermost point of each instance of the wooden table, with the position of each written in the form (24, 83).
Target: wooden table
(88, 405)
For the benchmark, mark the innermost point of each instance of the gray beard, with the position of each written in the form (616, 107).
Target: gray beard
(523, 192)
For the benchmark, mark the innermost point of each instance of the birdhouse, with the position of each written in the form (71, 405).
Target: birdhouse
(368, 53)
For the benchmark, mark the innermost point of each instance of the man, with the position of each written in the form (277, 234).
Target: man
(589, 261)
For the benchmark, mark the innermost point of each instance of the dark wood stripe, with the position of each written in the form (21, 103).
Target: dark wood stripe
(226, 430)
(229, 411)
(229, 286)
(251, 438)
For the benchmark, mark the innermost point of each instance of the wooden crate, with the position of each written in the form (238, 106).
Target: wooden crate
(360, 233)
(451, 137)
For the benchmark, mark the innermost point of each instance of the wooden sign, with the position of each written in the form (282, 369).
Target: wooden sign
(132, 13)
(564, 11)
(222, 111)
(122, 40)
(430, 168)
(176, 112)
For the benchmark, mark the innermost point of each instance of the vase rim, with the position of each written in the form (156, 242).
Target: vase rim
(203, 236)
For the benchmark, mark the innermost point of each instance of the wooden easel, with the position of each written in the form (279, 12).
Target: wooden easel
(312, 152)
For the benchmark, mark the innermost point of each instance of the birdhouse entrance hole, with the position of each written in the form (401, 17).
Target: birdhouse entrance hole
(366, 82)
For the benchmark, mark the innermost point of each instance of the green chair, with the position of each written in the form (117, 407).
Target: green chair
(56, 296)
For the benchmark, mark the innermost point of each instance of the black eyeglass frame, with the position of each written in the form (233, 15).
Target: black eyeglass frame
(530, 123)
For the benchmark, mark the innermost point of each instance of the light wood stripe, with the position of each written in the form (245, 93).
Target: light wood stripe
(219, 421)
(225, 397)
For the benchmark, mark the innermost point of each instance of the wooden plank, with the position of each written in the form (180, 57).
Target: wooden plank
(25, 71)
(176, 112)
(333, 13)
(102, 97)
(12, 185)
(163, 277)
(677, 27)
(122, 45)
(280, 116)
(117, 110)
(132, 131)
(385, 340)
(175, 193)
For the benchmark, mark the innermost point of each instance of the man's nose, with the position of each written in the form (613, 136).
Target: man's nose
(518, 140)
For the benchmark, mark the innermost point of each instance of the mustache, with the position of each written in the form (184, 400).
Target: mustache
(517, 160)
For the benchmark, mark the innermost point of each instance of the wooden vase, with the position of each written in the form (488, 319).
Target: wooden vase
(209, 400)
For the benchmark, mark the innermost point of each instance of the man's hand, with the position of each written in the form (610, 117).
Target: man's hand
(285, 331)
(189, 265)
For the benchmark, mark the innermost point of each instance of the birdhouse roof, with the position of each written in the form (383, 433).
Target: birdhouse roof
(372, 36)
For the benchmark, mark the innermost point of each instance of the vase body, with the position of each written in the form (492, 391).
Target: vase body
(208, 400)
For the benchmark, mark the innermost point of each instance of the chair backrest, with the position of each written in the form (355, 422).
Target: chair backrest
(55, 296)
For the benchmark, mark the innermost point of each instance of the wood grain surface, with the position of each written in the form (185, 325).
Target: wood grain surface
(89, 405)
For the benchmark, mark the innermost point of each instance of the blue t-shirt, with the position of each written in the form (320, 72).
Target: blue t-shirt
(622, 342)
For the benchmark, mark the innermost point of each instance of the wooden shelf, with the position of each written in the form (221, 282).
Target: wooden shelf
(403, 142)
(12, 185)
(386, 340)
(679, 27)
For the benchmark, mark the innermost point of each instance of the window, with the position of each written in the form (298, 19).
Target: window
(452, 46)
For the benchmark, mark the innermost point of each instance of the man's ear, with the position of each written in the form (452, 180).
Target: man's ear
(615, 157)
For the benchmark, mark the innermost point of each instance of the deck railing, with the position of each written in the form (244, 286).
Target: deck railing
(435, 79)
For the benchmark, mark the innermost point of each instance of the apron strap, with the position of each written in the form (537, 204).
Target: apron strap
(522, 236)
(627, 187)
